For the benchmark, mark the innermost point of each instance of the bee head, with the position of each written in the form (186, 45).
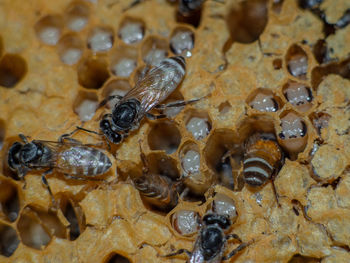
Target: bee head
(30, 152)
(13, 158)
(124, 114)
(111, 135)
(222, 220)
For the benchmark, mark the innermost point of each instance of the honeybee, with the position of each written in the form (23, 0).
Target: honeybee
(262, 160)
(68, 156)
(151, 89)
(159, 190)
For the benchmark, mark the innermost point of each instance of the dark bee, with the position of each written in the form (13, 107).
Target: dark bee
(263, 158)
(211, 241)
(70, 157)
(151, 89)
(158, 190)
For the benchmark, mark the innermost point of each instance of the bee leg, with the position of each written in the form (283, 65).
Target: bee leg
(155, 117)
(68, 176)
(109, 98)
(144, 160)
(46, 183)
(179, 252)
(234, 236)
(235, 251)
(273, 177)
(177, 104)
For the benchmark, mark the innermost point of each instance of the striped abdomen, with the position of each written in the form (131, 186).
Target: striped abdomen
(262, 157)
(82, 161)
(157, 189)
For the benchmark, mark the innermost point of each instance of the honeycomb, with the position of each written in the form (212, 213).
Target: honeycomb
(262, 66)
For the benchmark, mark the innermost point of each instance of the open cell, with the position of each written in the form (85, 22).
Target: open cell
(299, 95)
(77, 15)
(320, 120)
(131, 30)
(297, 62)
(185, 222)
(115, 87)
(224, 205)
(86, 105)
(9, 201)
(123, 61)
(154, 50)
(8, 240)
(117, 258)
(182, 41)
(175, 96)
(189, 12)
(70, 48)
(49, 28)
(92, 72)
(264, 100)
(162, 164)
(198, 123)
(190, 159)
(13, 68)
(100, 39)
(164, 136)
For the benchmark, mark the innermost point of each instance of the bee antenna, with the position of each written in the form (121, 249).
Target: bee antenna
(23, 137)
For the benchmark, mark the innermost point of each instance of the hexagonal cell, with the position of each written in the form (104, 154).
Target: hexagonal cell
(131, 30)
(302, 259)
(2, 133)
(277, 6)
(299, 95)
(123, 60)
(85, 105)
(8, 240)
(224, 107)
(36, 227)
(176, 96)
(154, 50)
(277, 63)
(320, 120)
(100, 38)
(198, 123)
(264, 100)
(117, 258)
(115, 87)
(70, 48)
(48, 29)
(296, 61)
(164, 135)
(247, 21)
(77, 15)
(74, 214)
(182, 41)
(160, 163)
(189, 12)
(224, 205)
(293, 137)
(185, 222)
(92, 72)
(13, 68)
(9, 201)
(320, 51)
(190, 159)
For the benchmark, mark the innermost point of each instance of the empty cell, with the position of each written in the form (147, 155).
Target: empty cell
(48, 29)
(154, 50)
(296, 61)
(9, 201)
(70, 48)
(13, 68)
(123, 60)
(298, 95)
(77, 15)
(86, 105)
(182, 41)
(92, 72)
(117, 258)
(191, 162)
(131, 30)
(263, 100)
(115, 87)
(100, 39)
(164, 136)
(185, 222)
(163, 164)
(8, 240)
(199, 127)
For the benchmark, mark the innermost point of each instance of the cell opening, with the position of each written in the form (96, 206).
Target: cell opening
(117, 258)
(123, 60)
(49, 28)
(299, 95)
(302, 259)
(320, 120)
(223, 205)
(182, 41)
(131, 30)
(320, 51)
(224, 107)
(13, 68)
(8, 240)
(246, 21)
(264, 100)
(70, 48)
(185, 222)
(9, 201)
(197, 123)
(92, 72)
(164, 136)
(100, 39)
(297, 62)
(77, 15)
(189, 12)
(154, 50)
(277, 6)
(85, 105)
(277, 64)
(2, 133)
(160, 163)
(115, 87)
(190, 159)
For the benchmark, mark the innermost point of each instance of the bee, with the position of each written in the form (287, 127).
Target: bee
(211, 241)
(150, 90)
(262, 159)
(68, 156)
(159, 190)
